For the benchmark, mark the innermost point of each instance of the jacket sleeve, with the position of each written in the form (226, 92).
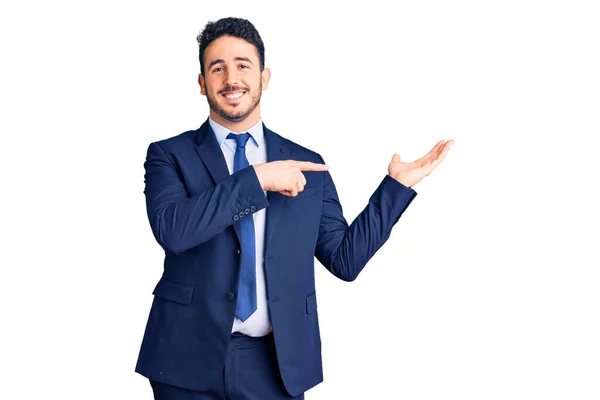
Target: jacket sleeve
(180, 222)
(345, 250)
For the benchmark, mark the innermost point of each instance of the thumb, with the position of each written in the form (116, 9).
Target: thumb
(396, 158)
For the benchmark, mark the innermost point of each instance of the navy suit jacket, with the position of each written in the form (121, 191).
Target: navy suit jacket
(194, 206)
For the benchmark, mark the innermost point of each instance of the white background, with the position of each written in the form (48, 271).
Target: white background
(488, 287)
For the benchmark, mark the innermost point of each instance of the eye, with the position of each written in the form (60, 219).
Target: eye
(244, 66)
(218, 69)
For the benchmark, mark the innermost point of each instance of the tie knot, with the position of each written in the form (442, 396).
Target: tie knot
(242, 138)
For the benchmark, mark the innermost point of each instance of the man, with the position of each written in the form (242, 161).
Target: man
(241, 212)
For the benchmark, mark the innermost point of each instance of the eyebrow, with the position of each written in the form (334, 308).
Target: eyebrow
(221, 61)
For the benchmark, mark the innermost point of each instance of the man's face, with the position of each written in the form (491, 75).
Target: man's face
(232, 80)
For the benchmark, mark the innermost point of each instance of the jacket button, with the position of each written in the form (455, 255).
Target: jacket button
(241, 214)
(235, 217)
(237, 252)
(230, 296)
(252, 208)
(247, 211)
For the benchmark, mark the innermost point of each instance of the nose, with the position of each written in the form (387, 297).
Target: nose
(231, 77)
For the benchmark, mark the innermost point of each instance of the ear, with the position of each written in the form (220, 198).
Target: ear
(265, 77)
(202, 84)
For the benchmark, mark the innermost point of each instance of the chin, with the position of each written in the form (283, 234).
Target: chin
(235, 117)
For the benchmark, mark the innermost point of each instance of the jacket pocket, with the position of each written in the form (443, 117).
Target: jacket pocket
(181, 294)
(311, 302)
(307, 192)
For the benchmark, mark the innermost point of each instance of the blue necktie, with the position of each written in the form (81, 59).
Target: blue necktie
(246, 301)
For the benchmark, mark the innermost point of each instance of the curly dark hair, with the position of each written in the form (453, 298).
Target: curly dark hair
(231, 26)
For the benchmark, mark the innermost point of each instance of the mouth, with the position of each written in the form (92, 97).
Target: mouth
(233, 95)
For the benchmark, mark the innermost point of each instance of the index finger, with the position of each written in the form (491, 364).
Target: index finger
(310, 166)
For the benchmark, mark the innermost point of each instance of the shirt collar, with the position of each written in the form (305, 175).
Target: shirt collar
(255, 131)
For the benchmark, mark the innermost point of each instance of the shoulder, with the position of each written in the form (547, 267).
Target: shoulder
(182, 140)
(297, 151)
(176, 146)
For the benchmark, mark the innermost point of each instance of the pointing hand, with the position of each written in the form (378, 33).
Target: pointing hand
(286, 176)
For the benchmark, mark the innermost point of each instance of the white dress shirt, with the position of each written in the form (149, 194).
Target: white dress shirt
(259, 323)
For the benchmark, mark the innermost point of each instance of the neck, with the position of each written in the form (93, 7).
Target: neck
(237, 127)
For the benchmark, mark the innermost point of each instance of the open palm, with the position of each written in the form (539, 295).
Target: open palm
(410, 173)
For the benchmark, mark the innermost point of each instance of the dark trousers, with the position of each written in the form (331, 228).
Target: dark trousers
(250, 373)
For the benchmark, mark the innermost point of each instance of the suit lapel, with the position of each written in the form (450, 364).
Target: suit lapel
(212, 156)
(276, 151)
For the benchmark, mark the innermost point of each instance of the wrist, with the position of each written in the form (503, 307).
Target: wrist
(258, 171)
(402, 180)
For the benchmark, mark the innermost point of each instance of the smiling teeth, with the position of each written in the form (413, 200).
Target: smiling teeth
(234, 95)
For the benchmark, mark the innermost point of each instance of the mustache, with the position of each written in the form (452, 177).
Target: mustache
(233, 89)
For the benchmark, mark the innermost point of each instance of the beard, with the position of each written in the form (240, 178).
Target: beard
(239, 115)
